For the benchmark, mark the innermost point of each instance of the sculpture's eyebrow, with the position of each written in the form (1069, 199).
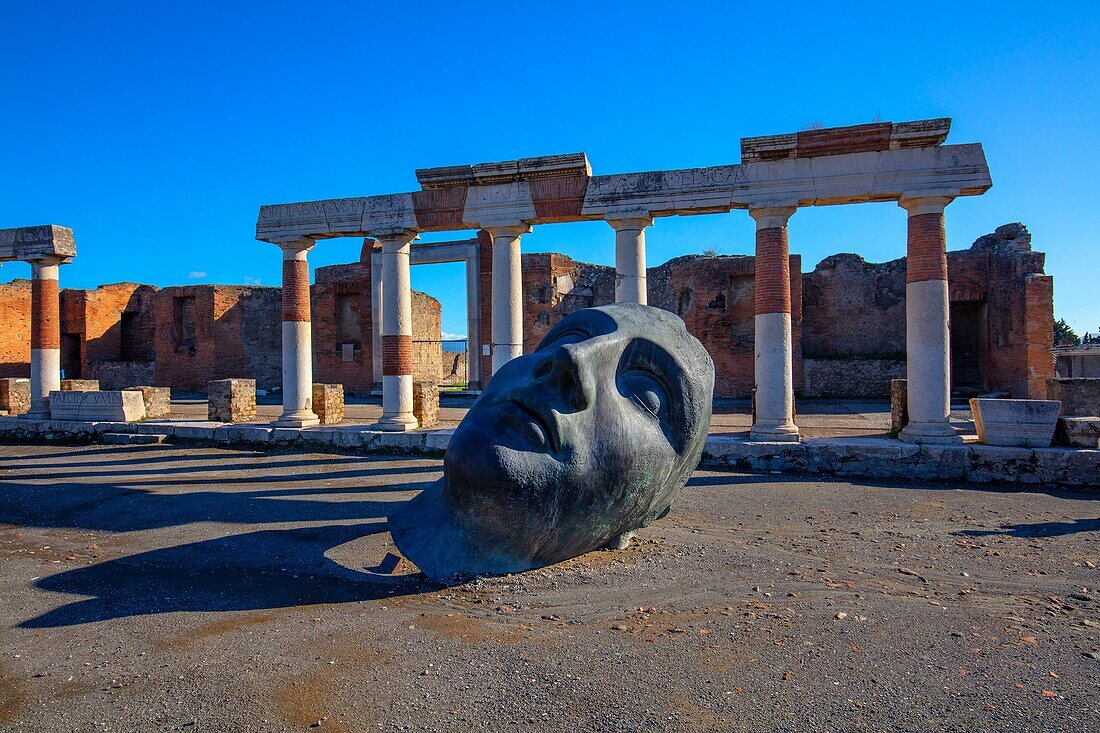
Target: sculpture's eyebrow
(589, 322)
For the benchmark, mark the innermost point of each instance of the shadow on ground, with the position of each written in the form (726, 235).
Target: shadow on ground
(252, 570)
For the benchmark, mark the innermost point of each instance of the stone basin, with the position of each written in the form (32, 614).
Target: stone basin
(1022, 423)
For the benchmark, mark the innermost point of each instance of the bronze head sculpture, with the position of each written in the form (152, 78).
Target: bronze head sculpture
(568, 449)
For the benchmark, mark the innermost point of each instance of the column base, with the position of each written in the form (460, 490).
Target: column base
(39, 410)
(300, 419)
(396, 423)
(775, 433)
(932, 433)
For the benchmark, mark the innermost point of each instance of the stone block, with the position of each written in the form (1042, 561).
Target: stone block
(438, 439)
(79, 385)
(133, 438)
(1080, 396)
(158, 401)
(328, 402)
(1078, 432)
(94, 406)
(1026, 423)
(15, 396)
(899, 406)
(231, 400)
(426, 403)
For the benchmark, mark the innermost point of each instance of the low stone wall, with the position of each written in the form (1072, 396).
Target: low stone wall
(858, 378)
(15, 395)
(893, 459)
(1080, 396)
(79, 385)
(121, 374)
(876, 458)
(455, 369)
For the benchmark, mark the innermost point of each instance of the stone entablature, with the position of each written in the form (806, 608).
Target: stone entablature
(36, 243)
(839, 140)
(560, 188)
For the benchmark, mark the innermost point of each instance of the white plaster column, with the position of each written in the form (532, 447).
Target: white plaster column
(377, 307)
(507, 314)
(397, 360)
(927, 327)
(774, 360)
(473, 320)
(297, 337)
(630, 271)
(45, 335)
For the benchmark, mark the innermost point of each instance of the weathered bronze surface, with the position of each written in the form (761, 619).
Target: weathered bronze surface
(569, 449)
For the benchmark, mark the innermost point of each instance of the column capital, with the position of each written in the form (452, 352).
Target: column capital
(772, 217)
(925, 203)
(49, 260)
(395, 238)
(636, 222)
(509, 230)
(297, 244)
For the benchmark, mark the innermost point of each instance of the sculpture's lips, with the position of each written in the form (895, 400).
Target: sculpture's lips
(547, 423)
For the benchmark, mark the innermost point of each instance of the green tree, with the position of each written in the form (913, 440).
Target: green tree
(1063, 334)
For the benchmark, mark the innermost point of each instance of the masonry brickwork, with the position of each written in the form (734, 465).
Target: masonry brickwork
(847, 315)
(848, 321)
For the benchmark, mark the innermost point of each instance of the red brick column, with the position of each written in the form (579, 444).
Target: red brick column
(397, 361)
(45, 335)
(297, 337)
(485, 275)
(773, 348)
(927, 327)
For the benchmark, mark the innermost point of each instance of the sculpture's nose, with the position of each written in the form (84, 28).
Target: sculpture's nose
(564, 370)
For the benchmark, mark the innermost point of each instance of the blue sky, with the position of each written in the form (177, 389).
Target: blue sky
(155, 130)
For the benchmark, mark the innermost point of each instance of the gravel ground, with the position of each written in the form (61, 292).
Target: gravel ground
(165, 588)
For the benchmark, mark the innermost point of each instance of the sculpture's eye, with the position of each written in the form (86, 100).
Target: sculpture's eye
(645, 391)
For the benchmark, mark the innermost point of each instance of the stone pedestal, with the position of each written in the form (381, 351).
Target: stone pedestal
(96, 406)
(79, 385)
(899, 406)
(158, 401)
(15, 395)
(426, 403)
(1020, 423)
(328, 403)
(1078, 432)
(232, 400)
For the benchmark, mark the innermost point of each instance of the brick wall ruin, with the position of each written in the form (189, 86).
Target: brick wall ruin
(848, 322)
(126, 334)
(848, 315)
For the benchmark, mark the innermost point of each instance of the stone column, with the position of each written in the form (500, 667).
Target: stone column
(397, 358)
(45, 336)
(378, 307)
(927, 340)
(774, 362)
(297, 338)
(507, 314)
(473, 320)
(630, 277)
